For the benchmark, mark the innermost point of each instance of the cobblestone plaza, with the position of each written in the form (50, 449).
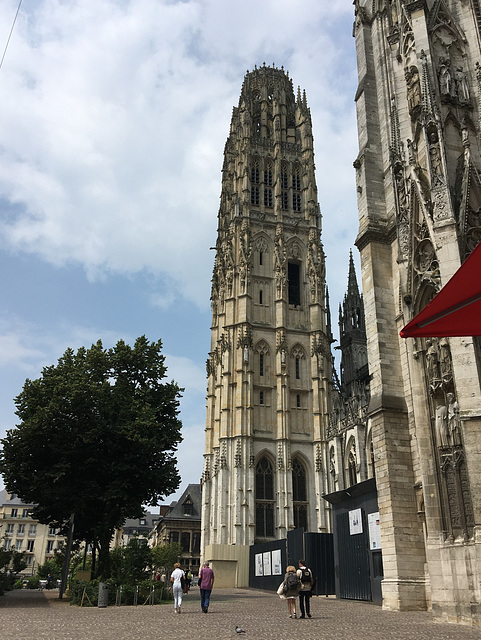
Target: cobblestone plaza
(32, 615)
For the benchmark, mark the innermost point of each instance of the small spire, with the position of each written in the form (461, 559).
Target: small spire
(304, 98)
(328, 314)
(352, 287)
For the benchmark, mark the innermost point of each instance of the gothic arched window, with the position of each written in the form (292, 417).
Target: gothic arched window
(299, 494)
(264, 499)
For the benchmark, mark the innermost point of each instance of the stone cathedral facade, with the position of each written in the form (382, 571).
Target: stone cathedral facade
(269, 368)
(418, 176)
(282, 428)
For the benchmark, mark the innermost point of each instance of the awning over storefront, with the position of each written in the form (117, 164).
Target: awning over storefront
(456, 309)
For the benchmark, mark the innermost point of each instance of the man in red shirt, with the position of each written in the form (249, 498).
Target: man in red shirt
(206, 583)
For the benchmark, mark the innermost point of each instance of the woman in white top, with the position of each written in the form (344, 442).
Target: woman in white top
(176, 578)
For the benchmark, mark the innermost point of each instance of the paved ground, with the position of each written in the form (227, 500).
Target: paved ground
(32, 615)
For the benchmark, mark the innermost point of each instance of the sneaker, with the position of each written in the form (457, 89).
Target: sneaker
(206, 609)
(290, 616)
(294, 616)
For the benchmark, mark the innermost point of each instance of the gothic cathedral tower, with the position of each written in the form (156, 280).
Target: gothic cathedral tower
(269, 368)
(419, 195)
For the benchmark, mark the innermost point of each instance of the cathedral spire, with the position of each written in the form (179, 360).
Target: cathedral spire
(352, 288)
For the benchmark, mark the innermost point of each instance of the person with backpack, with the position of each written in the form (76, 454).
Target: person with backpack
(290, 588)
(305, 576)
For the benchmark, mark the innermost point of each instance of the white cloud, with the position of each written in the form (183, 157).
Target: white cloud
(114, 115)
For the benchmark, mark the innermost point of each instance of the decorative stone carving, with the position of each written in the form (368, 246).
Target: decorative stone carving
(315, 266)
(446, 85)
(437, 173)
(318, 459)
(454, 423)
(441, 423)
(403, 214)
(223, 456)
(280, 262)
(445, 363)
(432, 362)
(245, 251)
(281, 346)
(280, 457)
(413, 85)
(238, 454)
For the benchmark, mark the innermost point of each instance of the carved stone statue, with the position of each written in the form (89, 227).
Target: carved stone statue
(413, 90)
(432, 363)
(462, 89)
(444, 75)
(445, 359)
(453, 419)
(442, 425)
(436, 162)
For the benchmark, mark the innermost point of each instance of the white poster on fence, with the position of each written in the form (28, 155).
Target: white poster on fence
(266, 561)
(276, 563)
(355, 522)
(374, 530)
(259, 567)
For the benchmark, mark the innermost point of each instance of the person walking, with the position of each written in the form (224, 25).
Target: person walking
(305, 593)
(177, 578)
(206, 583)
(290, 588)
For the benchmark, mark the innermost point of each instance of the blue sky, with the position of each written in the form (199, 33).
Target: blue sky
(114, 117)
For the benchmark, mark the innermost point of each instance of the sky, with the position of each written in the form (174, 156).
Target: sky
(113, 120)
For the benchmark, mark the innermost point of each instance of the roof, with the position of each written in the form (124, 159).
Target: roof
(12, 500)
(192, 494)
(134, 523)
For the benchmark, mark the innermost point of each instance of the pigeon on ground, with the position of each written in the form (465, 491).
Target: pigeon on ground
(239, 630)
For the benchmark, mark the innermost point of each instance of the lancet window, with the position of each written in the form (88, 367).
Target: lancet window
(264, 499)
(299, 493)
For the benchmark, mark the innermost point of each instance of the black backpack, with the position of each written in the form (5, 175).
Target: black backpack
(292, 581)
(306, 576)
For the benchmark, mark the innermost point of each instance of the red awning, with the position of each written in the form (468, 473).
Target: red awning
(456, 309)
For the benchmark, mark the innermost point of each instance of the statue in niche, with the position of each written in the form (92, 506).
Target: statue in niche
(445, 359)
(453, 419)
(444, 76)
(462, 89)
(411, 76)
(436, 162)
(246, 354)
(442, 425)
(432, 362)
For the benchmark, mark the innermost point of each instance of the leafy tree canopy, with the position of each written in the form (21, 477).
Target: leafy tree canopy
(166, 555)
(97, 438)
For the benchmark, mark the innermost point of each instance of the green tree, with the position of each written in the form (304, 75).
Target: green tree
(131, 564)
(166, 555)
(97, 438)
(11, 563)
